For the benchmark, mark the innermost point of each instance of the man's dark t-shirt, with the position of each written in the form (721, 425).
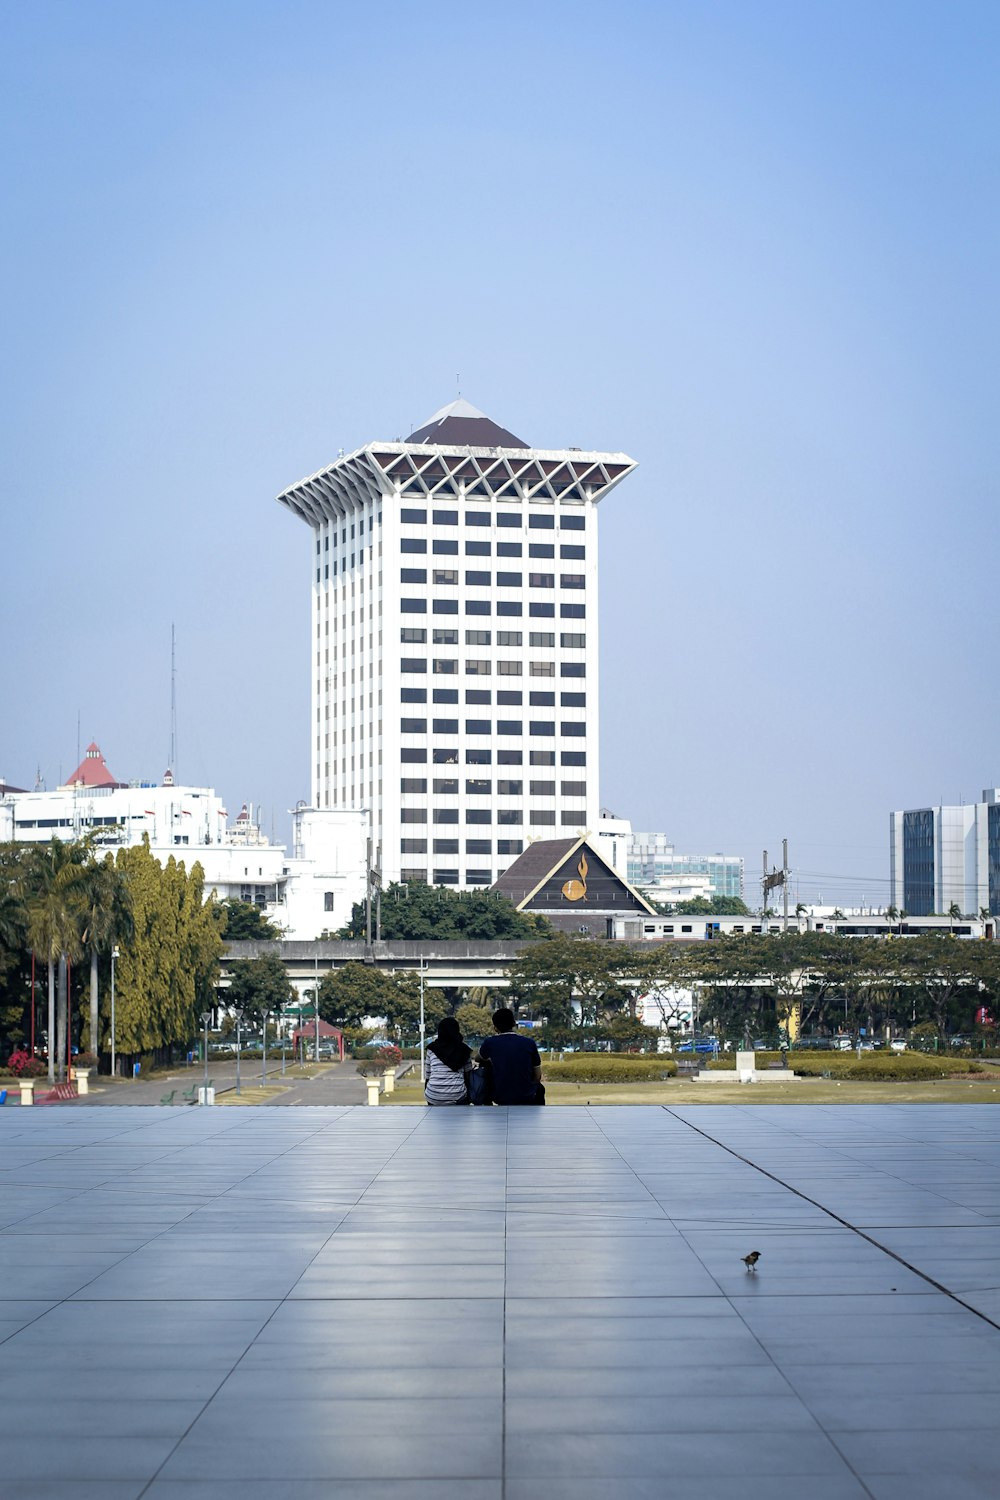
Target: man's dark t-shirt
(512, 1059)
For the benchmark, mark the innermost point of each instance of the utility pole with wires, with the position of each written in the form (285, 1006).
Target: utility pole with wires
(373, 887)
(771, 881)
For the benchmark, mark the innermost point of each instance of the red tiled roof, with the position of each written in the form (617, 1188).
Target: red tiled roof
(92, 770)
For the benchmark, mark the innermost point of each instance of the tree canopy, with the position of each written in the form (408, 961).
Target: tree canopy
(568, 979)
(704, 906)
(415, 911)
(247, 923)
(61, 901)
(349, 995)
(259, 984)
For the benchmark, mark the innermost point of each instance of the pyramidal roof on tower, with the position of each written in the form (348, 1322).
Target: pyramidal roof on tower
(465, 426)
(92, 770)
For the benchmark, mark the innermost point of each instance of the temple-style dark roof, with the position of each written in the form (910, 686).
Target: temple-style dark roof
(559, 877)
(532, 867)
(460, 425)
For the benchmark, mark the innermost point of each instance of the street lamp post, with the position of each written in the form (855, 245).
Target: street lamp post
(422, 1028)
(316, 1005)
(206, 1020)
(263, 1066)
(115, 954)
(238, 1015)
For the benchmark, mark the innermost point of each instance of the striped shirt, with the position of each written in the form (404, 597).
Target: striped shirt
(442, 1085)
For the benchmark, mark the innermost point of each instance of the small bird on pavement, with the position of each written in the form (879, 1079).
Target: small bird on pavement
(750, 1261)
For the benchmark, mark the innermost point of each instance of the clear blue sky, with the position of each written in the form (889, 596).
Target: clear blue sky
(752, 244)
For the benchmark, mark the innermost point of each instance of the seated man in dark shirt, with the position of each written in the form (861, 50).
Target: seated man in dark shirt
(514, 1061)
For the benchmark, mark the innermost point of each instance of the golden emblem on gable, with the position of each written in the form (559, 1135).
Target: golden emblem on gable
(575, 890)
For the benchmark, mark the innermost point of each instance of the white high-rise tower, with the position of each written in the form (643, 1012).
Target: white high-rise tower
(454, 642)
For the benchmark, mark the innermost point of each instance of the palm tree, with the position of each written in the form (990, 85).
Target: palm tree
(107, 921)
(54, 932)
(954, 915)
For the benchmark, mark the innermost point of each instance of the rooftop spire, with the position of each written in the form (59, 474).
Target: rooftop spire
(462, 425)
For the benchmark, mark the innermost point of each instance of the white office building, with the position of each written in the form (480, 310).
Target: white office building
(945, 856)
(305, 893)
(454, 642)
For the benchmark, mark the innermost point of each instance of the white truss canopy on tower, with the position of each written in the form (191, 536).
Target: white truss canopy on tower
(432, 471)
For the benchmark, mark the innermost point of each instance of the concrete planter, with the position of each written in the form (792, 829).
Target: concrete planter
(81, 1077)
(389, 1080)
(27, 1087)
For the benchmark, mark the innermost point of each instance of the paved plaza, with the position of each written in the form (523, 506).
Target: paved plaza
(401, 1304)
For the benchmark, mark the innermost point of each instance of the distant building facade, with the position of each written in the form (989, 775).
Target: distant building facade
(944, 856)
(657, 869)
(305, 893)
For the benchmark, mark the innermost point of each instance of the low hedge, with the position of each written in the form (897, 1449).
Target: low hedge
(882, 1066)
(607, 1067)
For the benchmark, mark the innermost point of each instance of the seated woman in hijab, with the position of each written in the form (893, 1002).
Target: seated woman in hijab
(448, 1061)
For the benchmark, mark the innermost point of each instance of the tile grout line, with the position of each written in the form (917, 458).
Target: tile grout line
(849, 1155)
(846, 1223)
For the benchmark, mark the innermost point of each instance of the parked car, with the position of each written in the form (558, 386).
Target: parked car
(897, 1044)
(843, 1043)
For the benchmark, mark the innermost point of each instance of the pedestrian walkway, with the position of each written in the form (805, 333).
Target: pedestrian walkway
(228, 1304)
(335, 1083)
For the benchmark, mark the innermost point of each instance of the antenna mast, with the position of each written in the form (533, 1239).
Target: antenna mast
(173, 704)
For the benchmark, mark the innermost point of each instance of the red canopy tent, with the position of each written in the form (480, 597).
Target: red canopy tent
(326, 1033)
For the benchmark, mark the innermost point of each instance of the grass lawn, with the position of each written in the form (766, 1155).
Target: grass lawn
(253, 1093)
(250, 1095)
(806, 1091)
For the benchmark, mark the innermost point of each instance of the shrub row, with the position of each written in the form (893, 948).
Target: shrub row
(884, 1066)
(606, 1067)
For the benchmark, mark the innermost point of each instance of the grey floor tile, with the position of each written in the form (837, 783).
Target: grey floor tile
(227, 1448)
(321, 1489)
(643, 1455)
(905, 1451)
(79, 1460)
(704, 1486)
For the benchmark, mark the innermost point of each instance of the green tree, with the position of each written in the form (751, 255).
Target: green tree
(245, 922)
(54, 931)
(167, 970)
(475, 1020)
(107, 921)
(626, 1034)
(569, 977)
(15, 861)
(348, 995)
(950, 978)
(402, 1009)
(259, 984)
(712, 906)
(204, 941)
(413, 912)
